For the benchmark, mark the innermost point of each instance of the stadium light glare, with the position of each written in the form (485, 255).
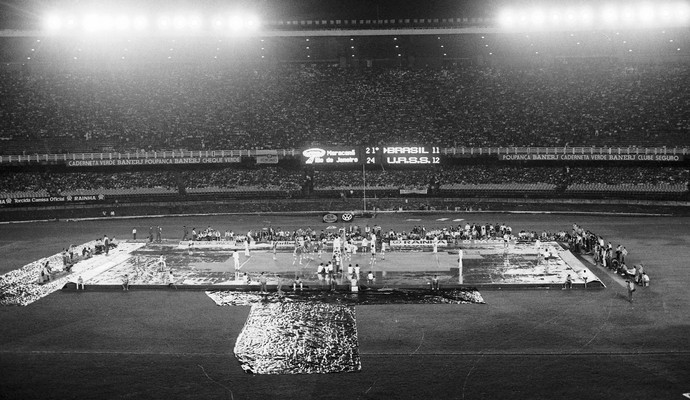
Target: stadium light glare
(628, 15)
(235, 23)
(555, 17)
(253, 23)
(53, 22)
(646, 14)
(571, 17)
(164, 22)
(90, 22)
(609, 15)
(506, 18)
(665, 13)
(217, 23)
(179, 22)
(682, 12)
(537, 18)
(140, 23)
(195, 22)
(122, 23)
(586, 16)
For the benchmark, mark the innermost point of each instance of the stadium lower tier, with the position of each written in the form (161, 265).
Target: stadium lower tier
(281, 182)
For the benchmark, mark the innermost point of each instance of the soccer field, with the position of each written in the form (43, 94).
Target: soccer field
(525, 344)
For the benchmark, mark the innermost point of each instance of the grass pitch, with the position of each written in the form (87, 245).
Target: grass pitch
(520, 344)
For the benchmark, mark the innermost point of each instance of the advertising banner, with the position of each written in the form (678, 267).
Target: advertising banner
(154, 161)
(52, 200)
(421, 243)
(592, 157)
(318, 156)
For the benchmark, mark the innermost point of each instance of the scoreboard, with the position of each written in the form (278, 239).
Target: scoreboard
(372, 155)
(397, 155)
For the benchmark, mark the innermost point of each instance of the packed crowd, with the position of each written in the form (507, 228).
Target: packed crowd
(290, 106)
(293, 180)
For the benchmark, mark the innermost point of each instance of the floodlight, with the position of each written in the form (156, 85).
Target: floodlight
(537, 18)
(164, 22)
(90, 22)
(122, 23)
(235, 23)
(179, 22)
(522, 18)
(609, 15)
(252, 22)
(628, 15)
(53, 22)
(506, 18)
(555, 17)
(571, 17)
(140, 23)
(217, 23)
(586, 16)
(195, 22)
(646, 14)
(682, 12)
(665, 13)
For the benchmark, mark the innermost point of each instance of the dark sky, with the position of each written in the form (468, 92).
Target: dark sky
(24, 13)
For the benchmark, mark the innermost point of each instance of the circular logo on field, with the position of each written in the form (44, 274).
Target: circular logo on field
(347, 217)
(330, 218)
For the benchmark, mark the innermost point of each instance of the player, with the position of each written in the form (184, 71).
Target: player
(365, 244)
(297, 253)
(236, 260)
(373, 251)
(246, 247)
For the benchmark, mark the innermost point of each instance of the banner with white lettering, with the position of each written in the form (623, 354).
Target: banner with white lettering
(417, 243)
(52, 200)
(592, 157)
(154, 161)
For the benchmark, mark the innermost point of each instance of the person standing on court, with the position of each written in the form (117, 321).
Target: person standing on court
(159, 232)
(236, 259)
(631, 288)
(134, 233)
(262, 282)
(106, 243)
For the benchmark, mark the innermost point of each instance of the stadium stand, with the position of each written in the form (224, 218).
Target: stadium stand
(458, 179)
(184, 106)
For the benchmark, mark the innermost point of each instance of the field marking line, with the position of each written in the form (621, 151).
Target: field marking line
(116, 353)
(372, 385)
(420, 344)
(216, 382)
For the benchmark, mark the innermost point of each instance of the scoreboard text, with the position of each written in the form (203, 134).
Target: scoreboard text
(402, 155)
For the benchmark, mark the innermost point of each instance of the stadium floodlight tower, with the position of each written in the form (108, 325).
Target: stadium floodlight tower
(626, 15)
(166, 23)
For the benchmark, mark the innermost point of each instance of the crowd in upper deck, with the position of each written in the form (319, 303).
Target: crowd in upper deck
(290, 106)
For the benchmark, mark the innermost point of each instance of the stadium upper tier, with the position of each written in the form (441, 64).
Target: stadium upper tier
(53, 109)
